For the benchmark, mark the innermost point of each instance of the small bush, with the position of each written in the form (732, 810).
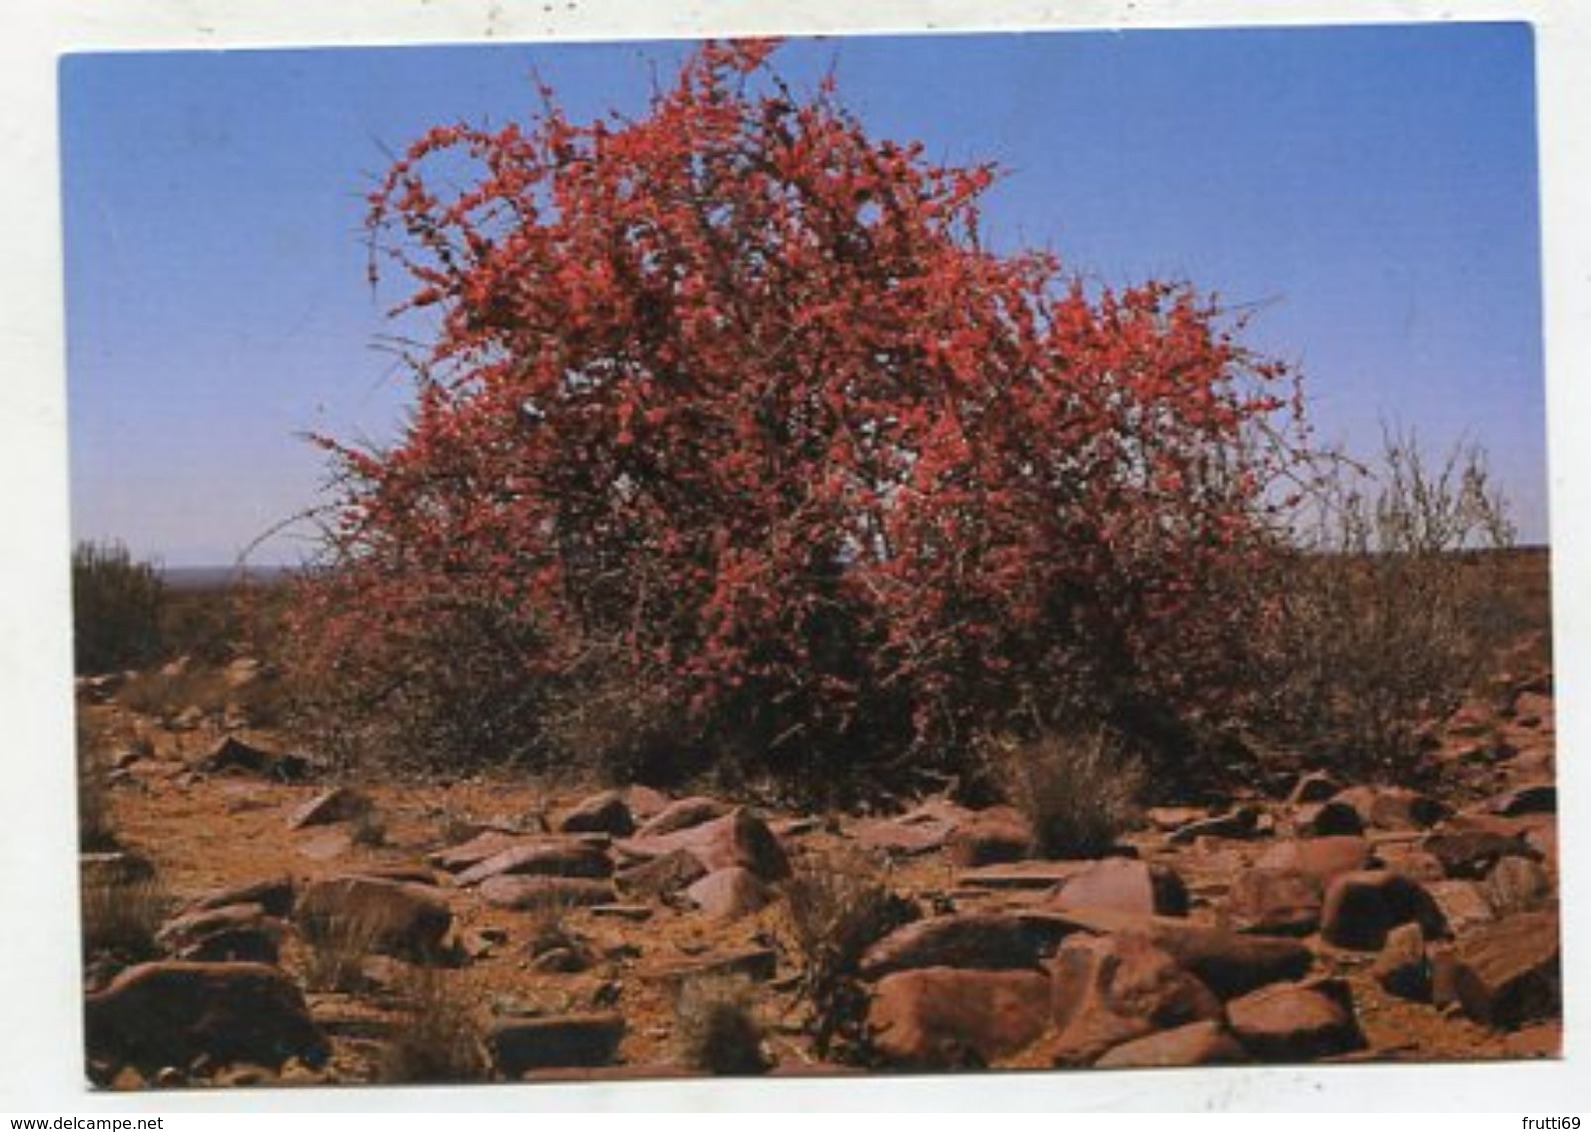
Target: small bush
(117, 606)
(95, 830)
(835, 910)
(717, 1028)
(1080, 794)
(1392, 613)
(337, 954)
(368, 829)
(167, 692)
(437, 1041)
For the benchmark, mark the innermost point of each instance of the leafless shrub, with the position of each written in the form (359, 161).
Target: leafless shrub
(717, 1028)
(337, 952)
(1393, 610)
(835, 909)
(1079, 792)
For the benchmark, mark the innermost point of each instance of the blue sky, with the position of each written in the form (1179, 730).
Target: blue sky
(1372, 189)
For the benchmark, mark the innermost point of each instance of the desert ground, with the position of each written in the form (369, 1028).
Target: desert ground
(254, 919)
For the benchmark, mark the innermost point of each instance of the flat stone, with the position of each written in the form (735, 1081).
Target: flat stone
(985, 941)
(1320, 857)
(555, 1042)
(1125, 885)
(1509, 973)
(1275, 902)
(606, 812)
(729, 894)
(533, 893)
(338, 804)
(758, 964)
(683, 814)
(1198, 1043)
(1239, 823)
(551, 858)
(1022, 875)
(1471, 853)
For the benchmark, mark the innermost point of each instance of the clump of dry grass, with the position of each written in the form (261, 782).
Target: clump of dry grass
(835, 908)
(167, 692)
(368, 828)
(1080, 793)
(121, 917)
(717, 1028)
(336, 956)
(438, 1039)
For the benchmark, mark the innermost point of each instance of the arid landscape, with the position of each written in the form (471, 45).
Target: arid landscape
(252, 919)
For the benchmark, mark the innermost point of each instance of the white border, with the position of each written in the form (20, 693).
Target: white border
(39, 1031)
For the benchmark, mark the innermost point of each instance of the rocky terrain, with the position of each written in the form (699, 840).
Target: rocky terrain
(252, 922)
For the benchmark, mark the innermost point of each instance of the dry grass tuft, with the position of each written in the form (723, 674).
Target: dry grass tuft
(717, 1028)
(1079, 793)
(121, 918)
(438, 1041)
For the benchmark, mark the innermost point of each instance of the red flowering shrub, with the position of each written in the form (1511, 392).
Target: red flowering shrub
(732, 404)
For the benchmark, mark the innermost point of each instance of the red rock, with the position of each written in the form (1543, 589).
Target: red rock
(988, 941)
(902, 839)
(945, 1018)
(1228, 963)
(172, 1013)
(1361, 907)
(1471, 853)
(662, 876)
(1106, 990)
(388, 917)
(729, 894)
(990, 837)
(606, 812)
(1402, 967)
(1125, 886)
(553, 858)
(683, 814)
(1022, 875)
(1320, 857)
(564, 1041)
(248, 927)
(1462, 903)
(1536, 798)
(1197, 1043)
(1393, 807)
(1274, 902)
(1409, 861)
(273, 894)
(1296, 1022)
(485, 844)
(335, 805)
(736, 840)
(1327, 819)
(535, 893)
(1509, 973)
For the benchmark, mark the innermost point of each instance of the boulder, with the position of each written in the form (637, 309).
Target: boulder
(1509, 973)
(481, 846)
(232, 754)
(662, 876)
(1227, 962)
(539, 893)
(1106, 990)
(273, 894)
(172, 1013)
(990, 837)
(1320, 857)
(1470, 853)
(1327, 819)
(552, 857)
(1361, 907)
(729, 894)
(1463, 904)
(564, 1041)
(738, 839)
(1316, 786)
(606, 812)
(231, 933)
(949, 1018)
(1402, 967)
(1274, 902)
(901, 838)
(1125, 885)
(1198, 1043)
(985, 941)
(1296, 1021)
(387, 917)
(1393, 807)
(1535, 798)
